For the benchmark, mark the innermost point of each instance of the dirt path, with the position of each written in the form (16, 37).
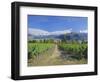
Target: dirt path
(60, 54)
(56, 52)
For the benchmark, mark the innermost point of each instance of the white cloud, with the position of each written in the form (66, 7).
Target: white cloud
(62, 32)
(33, 31)
(37, 32)
(83, 31)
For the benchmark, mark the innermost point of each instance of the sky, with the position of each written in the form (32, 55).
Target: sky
(58, 23)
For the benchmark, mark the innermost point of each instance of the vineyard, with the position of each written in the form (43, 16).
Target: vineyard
(57, 40)
(35, 49)
(50, 53)
(79, 51)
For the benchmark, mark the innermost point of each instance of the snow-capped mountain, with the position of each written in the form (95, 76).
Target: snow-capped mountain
(42, 34)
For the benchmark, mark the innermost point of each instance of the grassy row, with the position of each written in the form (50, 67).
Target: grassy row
(78, 50)
(35, 49)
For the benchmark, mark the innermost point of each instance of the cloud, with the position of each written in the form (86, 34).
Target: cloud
(33, 31)
(83, 31)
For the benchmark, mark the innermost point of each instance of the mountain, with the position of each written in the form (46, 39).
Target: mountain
(65, 34)
(74, 36)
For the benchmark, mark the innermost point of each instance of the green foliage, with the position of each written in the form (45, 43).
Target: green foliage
(42, 41)
(35, 49)
(79, 50)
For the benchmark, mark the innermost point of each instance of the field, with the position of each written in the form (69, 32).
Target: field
(59, 53)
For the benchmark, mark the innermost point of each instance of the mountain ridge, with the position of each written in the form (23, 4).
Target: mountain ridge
(68, 34)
